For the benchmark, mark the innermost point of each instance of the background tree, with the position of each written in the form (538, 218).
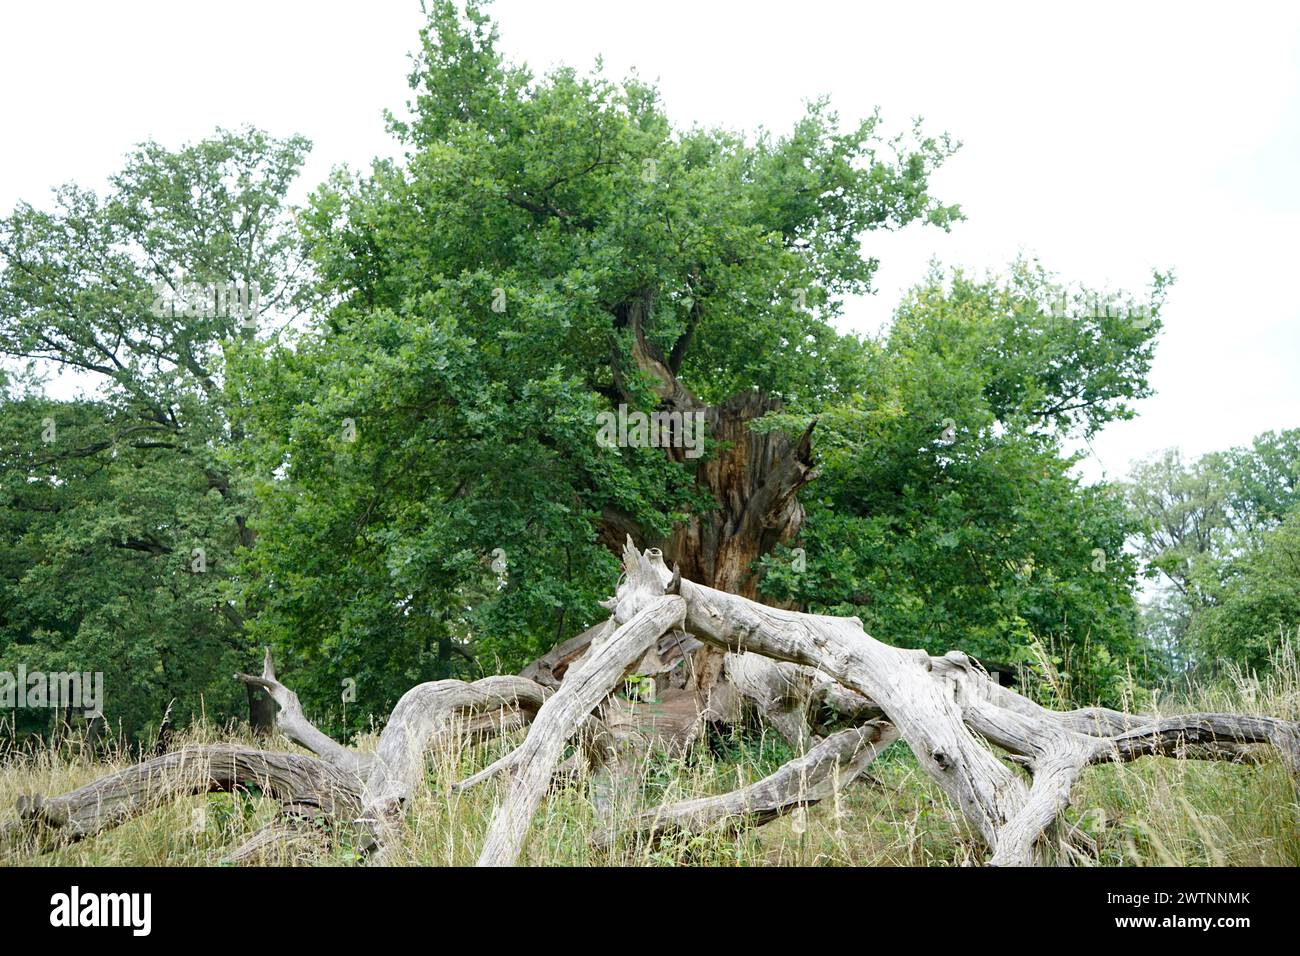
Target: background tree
(1217, 534)
(946, 514)
(122, 509)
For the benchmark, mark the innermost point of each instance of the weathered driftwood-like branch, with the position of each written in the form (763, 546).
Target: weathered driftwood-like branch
(484, 709)
(304, 785)
(830, 765)
(425, 713)
(548, 670)
(592, 734)
(1059, 745)
(945, 708)
(291, 722)
(898, 680)
(936, 703)
(307, 787)
(274, 836)
(343, 784)
(787, 694)
(643, 612)
(588, 682)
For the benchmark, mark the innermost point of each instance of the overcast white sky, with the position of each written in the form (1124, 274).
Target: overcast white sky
(1107, 139)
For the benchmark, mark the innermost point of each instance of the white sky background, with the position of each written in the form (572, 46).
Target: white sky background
(1106, 139)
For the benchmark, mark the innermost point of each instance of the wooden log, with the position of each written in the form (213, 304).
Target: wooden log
(304, 785)
(643, 613)
(831, 764)
(425, 713)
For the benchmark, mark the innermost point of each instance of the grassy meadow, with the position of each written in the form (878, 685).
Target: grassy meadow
(1153, 812)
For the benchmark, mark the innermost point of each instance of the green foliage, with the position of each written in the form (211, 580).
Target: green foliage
(945, 515)
(1264, 480)
(1255, 601)
(1183, 513)
(121, 515)
(1220, 535)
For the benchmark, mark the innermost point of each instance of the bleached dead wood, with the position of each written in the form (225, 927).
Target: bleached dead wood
(829, 765)
(424, 713)
(548, 670)
(305, 786)
(272, 838)
(291, 722)
(587, 682)
(592, 737)
(642, 613)
(899, 681)
(778, 690)
(946, 709)
(936, 703)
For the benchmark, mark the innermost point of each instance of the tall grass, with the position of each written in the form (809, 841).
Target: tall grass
(1156, 811)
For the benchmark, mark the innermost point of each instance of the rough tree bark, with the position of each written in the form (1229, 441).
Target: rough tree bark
(752, 477)
(307, 788)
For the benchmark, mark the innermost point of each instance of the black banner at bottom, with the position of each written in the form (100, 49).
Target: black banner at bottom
(266, 904)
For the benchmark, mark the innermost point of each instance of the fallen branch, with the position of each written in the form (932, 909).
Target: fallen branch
(643, 613)
(425, 713)
(305, 786)
(291, 722)
(830, 765)
(274, 836)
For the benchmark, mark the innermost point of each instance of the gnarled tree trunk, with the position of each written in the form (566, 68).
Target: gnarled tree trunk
(752, 477)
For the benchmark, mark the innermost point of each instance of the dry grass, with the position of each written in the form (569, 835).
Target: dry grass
(1156, 811)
